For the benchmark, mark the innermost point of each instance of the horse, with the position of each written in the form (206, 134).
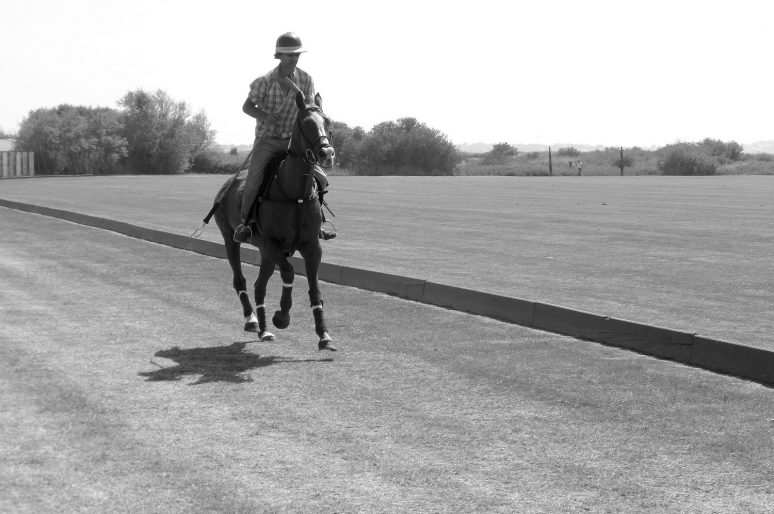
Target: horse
(289, 217)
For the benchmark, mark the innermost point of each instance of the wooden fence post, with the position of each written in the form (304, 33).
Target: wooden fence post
(621, 162)
(550, 164)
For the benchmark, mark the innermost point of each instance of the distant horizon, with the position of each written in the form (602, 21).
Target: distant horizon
(763, 146)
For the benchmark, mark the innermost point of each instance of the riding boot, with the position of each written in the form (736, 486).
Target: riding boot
(253, 184)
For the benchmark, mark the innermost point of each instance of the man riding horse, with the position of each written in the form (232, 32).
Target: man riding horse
(272, 103)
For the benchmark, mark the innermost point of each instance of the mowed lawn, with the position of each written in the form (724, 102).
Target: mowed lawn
(128, 385)
(690, 253)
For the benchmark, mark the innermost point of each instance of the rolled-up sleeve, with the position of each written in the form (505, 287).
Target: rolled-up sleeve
(257, 90)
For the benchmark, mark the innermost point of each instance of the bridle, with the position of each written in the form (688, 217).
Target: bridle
(309, 157)
(312, 148)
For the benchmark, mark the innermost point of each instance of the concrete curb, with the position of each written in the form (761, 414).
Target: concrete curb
(688, 348)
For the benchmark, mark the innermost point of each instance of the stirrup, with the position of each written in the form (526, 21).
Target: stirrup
(243, 233)
(325, 235)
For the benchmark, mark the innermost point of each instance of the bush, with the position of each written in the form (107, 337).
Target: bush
(214, 161)
(405, 147)
(686, 161)
(499, 154)
(568, 151)
(731, 150)
(626, 162)
(763, 157)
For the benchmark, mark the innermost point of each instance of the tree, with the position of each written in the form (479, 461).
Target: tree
(74, 139)
(346, 141)
(730, 150)
(200, 135)
(406, 147)
(162, 136)
(499, 153)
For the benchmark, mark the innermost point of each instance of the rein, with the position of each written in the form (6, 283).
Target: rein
(310, 154)
(303, 163)
(288, 198)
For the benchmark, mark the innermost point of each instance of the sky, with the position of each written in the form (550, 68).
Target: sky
(597, 72)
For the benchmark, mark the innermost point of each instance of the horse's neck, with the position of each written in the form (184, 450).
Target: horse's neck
(296, 144)
(293, 177)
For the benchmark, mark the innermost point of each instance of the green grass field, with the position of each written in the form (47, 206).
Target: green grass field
(690, 253)
(128, 385)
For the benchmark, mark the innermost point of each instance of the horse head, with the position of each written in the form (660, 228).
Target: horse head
(311, 133)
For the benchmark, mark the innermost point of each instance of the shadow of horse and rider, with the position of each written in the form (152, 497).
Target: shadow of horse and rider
(216, 364)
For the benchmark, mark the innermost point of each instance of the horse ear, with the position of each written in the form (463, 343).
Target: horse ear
(318, 100)
(300, 98)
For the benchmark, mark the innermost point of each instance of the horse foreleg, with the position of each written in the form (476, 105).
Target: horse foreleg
(312, 264)
(264, 274)
(281, 317)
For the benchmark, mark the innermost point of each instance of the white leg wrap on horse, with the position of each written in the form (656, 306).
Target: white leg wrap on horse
(287, 285)
(240, 293)
(252, 318)
(318, 306)
(262, 306)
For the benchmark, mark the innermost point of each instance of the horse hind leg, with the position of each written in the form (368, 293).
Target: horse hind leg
(240, 285)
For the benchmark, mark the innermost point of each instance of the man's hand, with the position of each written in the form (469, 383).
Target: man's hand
(267, 118)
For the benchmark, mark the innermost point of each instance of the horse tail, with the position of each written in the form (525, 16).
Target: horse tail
(215, 206)
(212, 211)
(199, 231)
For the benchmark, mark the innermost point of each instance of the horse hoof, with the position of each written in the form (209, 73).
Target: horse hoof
(251, 326)
(281, 321)
(325, 343)
(266, 336)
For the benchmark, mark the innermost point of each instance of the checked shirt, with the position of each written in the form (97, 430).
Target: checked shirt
(265, 92)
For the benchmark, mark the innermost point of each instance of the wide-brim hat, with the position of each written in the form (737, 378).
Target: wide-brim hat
(289, 43)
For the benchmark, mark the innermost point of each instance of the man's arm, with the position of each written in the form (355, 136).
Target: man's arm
(253, 111)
